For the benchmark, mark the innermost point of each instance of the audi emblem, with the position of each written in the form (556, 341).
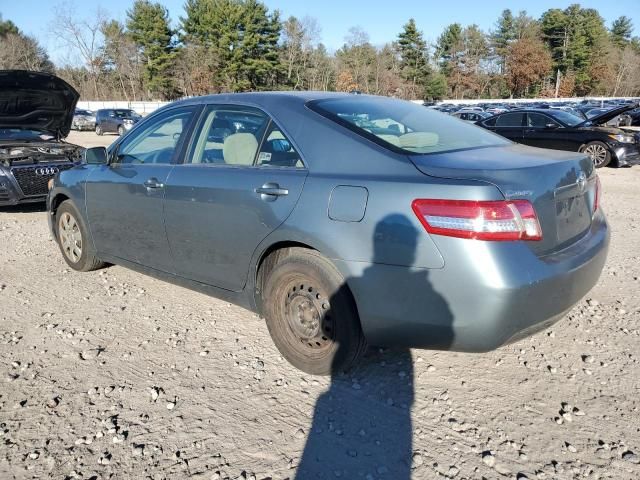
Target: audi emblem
(47, 171)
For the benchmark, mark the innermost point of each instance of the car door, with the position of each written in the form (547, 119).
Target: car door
(240, 180)
(543, 131)
(124, 198)
(509, 125)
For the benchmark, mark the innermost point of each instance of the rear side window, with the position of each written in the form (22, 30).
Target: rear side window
(404, 127)
(510, 120)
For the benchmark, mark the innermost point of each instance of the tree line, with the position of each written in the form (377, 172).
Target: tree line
(239, 45)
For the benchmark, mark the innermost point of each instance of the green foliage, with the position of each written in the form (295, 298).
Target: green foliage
(148, 25)
(573, 36)
(622, 31)
(414, 59)
(7, 26)
(242, 36)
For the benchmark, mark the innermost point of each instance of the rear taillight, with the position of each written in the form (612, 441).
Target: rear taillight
(596, 201)
(481, 220)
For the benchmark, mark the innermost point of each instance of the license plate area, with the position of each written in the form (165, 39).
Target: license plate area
(573, 215)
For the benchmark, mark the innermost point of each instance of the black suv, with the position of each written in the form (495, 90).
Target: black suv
(36, 111)
(115, 120)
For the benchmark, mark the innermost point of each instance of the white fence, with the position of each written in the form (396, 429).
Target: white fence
(143, 108)
(473, 101)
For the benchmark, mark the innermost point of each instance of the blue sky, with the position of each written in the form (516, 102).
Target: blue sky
(381, 19)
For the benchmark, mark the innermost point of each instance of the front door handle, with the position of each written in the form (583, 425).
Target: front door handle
(153, 182)
(270, 191)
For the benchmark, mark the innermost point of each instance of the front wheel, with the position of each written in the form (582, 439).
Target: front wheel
(72, 238)
(598, 152)
(311, 314)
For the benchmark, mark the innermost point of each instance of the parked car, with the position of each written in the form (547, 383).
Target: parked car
(342, 219)
(471, 116)
(617, 121)
(561, 130)
(115, 120)
(83, 120)
(36, 111)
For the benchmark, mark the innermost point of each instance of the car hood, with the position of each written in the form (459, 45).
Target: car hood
(611, 114)
(36, 101)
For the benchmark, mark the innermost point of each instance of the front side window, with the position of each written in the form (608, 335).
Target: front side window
(404, 126)
(538, 120)
(157, 142)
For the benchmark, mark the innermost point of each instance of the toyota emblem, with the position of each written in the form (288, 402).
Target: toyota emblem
(47, 170)
(581, 181)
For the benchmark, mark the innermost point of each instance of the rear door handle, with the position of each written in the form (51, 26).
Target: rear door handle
(153, 182)
(271, 189)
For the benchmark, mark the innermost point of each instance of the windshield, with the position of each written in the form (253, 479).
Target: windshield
(566, 117)
(23, 134)
(125, 113)
(405, 126)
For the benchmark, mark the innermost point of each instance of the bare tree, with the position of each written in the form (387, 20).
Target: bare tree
(18, 51)
(83, 37)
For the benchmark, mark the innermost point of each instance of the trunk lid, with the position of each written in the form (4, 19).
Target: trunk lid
(560, 185)
(36, 101)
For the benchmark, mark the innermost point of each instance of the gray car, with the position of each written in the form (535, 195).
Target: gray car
(343, 220)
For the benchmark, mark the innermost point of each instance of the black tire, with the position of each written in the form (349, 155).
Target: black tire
(99, 130)
(599, 153)
(73, 241)
(120, 130)
(310, 313)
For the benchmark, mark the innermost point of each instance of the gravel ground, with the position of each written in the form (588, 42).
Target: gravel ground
(112, 374)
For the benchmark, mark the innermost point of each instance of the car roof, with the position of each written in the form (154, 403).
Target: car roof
(265, 97)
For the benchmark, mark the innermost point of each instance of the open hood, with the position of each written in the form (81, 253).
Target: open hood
(610, 114)
(37, 101)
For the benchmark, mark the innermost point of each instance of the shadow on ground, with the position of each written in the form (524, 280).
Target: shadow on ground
(362, 424)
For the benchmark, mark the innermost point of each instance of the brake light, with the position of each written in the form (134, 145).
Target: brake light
(500, 220)
(596, 201)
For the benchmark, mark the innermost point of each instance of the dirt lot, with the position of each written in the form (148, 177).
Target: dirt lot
(112, 374)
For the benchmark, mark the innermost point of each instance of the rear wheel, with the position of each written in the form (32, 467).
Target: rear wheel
(99, 130)
(598, 152)
(311, 314)
(120, 130)
(72, 239)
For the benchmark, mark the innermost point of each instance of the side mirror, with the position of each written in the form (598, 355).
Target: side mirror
(95, 156)
(551, 126)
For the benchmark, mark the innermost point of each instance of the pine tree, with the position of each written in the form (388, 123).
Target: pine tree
(621, 31)
(242, 36)
(148, 25)
(504, 34)
(414, 61)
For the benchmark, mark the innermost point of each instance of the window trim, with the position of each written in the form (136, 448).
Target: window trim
(178, 151)
(197, 131)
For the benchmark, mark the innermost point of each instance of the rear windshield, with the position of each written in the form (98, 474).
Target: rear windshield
(405, 126)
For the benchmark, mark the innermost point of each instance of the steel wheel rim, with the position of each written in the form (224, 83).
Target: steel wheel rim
(308, 316)
(70, 237)
(597, 153)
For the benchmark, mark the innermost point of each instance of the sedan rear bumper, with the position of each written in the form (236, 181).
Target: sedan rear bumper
(487, 295)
